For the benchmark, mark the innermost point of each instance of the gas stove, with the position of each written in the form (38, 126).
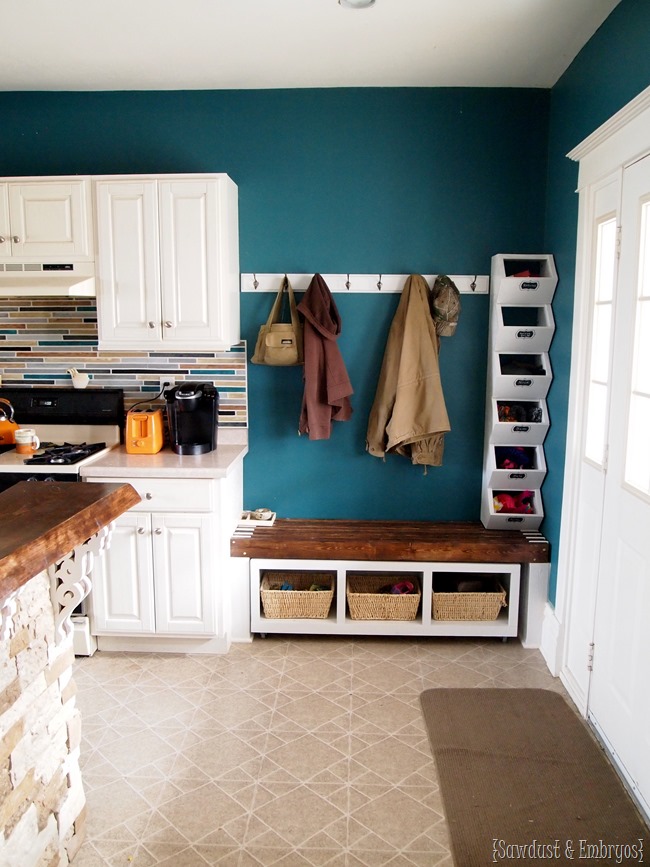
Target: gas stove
(74, 426)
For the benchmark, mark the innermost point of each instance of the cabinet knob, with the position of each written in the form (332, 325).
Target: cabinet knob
(16, 239)
(2, 239)
(140, 531)
(158, 531)
(152, 325)
(148, 496)
(168, 324)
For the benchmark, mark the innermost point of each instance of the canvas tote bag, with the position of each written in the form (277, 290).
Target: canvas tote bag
(280, 343)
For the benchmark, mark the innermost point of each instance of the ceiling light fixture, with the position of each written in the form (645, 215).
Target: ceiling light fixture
(356, 4)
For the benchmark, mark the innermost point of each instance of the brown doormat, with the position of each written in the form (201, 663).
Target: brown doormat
(524, 781)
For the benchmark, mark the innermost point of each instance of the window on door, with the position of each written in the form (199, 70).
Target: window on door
(637, 458)
(601, 336)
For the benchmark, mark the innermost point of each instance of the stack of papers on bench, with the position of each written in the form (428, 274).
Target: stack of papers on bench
(250, 521)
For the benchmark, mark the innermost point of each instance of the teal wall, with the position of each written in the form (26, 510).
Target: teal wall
(612, 69)
(336, 181)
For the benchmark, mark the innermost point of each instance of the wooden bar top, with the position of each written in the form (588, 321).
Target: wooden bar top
(41, 522)
(423, 541)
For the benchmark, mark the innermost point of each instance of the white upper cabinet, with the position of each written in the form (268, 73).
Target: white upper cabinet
(167, 262)
(45, 220)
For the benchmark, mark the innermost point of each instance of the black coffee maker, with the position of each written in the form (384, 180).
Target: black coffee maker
(192, 417)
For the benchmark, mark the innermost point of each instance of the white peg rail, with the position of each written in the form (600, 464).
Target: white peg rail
(360, 282)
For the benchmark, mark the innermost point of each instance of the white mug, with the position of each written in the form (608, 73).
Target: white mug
(26, 441)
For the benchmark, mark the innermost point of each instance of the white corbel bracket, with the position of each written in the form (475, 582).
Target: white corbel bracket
(7, 614)
(70, 578)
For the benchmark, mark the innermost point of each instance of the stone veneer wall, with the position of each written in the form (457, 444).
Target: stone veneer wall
(40, 339)
(42, 802)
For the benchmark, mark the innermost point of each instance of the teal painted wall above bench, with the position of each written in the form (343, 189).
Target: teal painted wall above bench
(335, 181)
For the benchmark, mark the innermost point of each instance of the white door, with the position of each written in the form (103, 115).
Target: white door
(184, 574)
(122, 580)
(599, 246)
(50, 220)
(190, 253)
(128, 264)
(619, 698)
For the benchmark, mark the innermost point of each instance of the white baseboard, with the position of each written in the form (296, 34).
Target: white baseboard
(158, 644)
(551, 644)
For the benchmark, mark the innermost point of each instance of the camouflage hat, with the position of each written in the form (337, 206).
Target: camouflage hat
(445, 305)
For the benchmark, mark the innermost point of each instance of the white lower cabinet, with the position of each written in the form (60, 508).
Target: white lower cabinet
(160, 574)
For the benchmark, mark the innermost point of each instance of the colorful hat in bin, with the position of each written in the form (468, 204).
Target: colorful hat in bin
(445, 305)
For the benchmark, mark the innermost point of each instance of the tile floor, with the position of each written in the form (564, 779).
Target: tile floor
(287, 752)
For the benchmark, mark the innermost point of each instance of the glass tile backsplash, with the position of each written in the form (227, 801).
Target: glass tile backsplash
(41, 339)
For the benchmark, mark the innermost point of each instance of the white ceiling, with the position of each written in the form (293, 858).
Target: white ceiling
(215, 44)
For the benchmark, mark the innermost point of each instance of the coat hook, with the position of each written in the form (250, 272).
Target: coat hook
(472, 285)
(255, 282)
(347, 283)
(379, 283)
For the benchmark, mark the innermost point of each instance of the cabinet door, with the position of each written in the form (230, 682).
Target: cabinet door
(128, 264)
(122, 580)
(5, 228)
(191, 241)
(50, 220)
(184, 574)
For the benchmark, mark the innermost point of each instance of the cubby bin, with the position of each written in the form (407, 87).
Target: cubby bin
(523, 279)
(515, 422)
(297, 594)
(468, 596)
(523, 329)
(370, 595)
(521, 375)
(515, 466)
(506, 519)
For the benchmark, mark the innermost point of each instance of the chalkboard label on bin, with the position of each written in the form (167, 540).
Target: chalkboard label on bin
(515, 520)
(523, 381)
(517, 476)
(521, 428)
(529, 285)
(525, 335)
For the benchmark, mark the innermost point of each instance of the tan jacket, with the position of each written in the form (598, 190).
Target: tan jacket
(409, 416)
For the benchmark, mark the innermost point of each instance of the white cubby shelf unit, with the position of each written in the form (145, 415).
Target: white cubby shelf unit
(519, 376)
(339, 621)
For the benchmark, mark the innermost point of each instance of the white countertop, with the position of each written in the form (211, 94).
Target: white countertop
(232, 445)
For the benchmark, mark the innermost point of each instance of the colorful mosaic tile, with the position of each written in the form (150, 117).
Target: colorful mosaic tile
(41, 340)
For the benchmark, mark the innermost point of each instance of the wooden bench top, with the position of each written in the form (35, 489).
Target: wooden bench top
(423, 541)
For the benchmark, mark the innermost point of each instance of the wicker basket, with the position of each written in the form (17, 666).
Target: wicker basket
(301, 601)
(366, 603)
(475, 605)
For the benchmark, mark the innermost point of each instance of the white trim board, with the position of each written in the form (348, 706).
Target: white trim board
(364, 283)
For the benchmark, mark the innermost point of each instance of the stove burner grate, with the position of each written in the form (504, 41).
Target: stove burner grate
(66, 454)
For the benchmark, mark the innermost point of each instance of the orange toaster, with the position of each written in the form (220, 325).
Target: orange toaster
(144, 431)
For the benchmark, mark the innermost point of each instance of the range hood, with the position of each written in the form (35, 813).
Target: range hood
(47, 279)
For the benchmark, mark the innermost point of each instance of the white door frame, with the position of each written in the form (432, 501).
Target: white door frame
(620, 141)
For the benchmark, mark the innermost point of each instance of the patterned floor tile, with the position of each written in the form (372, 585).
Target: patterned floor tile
(289, 751)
